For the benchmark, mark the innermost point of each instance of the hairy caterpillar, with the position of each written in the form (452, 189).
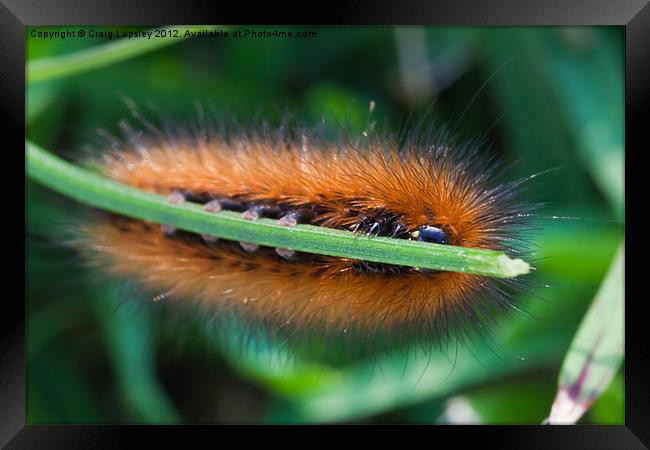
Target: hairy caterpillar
(422, 185)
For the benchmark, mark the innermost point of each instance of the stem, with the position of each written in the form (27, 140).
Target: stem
(95, 190)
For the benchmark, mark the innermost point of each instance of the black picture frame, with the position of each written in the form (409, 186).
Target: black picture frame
(633, 15)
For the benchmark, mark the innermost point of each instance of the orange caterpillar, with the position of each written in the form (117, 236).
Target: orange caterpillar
(423, 187)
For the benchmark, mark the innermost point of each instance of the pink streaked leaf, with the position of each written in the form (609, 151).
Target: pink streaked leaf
(596, 352)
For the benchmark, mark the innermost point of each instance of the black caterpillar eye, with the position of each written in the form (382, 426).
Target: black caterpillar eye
(432, 234)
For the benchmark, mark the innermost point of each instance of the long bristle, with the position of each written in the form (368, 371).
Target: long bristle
(380, 187)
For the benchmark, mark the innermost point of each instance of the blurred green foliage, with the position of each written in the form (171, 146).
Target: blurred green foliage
(548, 98)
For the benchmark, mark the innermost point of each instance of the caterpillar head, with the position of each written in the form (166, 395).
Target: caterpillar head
(431, 234)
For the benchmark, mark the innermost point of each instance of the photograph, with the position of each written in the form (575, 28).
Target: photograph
(231, 224)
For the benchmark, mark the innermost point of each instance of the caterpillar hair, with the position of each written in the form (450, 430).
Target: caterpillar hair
(420, 184)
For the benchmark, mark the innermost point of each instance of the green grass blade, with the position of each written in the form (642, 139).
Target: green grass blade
(596, 352)
(95, 190)
(100, 56)
(399, 380)
(598, 120)
(127, 338)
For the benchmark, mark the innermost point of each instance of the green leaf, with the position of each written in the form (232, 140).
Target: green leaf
(128, 338)
(597, 120)
(404, 378)
(596, 351)
(103, 193)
